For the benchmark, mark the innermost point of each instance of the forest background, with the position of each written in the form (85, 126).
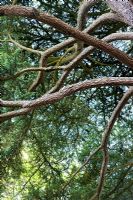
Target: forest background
(66, 102)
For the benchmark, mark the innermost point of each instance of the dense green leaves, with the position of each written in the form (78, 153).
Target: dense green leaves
(40, 152)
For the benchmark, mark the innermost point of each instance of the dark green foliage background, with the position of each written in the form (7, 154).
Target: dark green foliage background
(40, 152)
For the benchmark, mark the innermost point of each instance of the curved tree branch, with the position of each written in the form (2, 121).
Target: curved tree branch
(102, 19)
(105, 139)
(67, 29)
(83, 9)
(86, 52)
(27, 106)
(25, 48)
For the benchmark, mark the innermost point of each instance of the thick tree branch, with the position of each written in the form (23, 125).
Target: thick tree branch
(72, 64)
(86, 52)
(54, 97)
(67, 91)
(103, 18)
(24, 107)
(67, 29)
(123, 8)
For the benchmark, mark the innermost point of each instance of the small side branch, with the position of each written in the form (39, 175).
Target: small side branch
(25, 48)
(80, 168)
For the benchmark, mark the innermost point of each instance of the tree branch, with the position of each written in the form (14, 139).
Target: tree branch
(67, 29)
(54, 97)
(123, 8)
(79, 169)
(103, 18)
(105, 139)
(25, 48)
(84, 53)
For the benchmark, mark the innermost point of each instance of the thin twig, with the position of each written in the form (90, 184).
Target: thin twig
(79, 169)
